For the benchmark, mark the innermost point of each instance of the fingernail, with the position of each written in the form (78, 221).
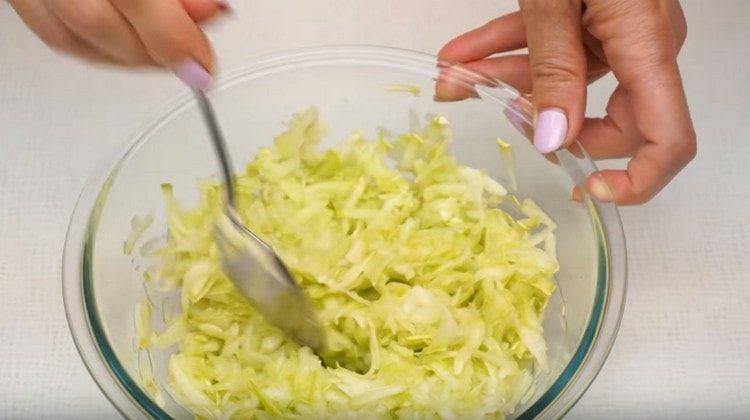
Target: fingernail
(224, 5)
(577, 194)
(193, 74)
(599, 189)
(445, 92)
(551, 128)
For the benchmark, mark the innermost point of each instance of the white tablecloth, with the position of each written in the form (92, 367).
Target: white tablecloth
(682, 350)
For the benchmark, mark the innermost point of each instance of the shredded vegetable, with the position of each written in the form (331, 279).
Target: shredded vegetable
(414, 90)
(509, 161)
(431, 296)
(138, 225)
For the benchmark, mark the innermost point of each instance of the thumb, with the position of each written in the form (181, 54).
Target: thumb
(170, 36)
(558, 70)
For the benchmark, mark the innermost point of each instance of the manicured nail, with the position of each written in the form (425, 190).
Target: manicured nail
(551, 128)
(599, 189)
(193, 74)
(224, 5)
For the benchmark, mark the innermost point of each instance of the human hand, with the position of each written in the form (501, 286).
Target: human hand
(572, 43)
(128, 32)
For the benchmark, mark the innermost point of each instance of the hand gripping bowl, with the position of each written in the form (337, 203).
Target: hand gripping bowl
(102, 285)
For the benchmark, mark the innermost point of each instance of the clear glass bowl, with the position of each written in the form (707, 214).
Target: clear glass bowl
(349, 85)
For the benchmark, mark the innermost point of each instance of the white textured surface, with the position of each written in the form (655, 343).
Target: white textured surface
(683, 347)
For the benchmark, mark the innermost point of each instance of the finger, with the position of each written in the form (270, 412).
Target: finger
(101, 26)
(511, 69)
(637, 184)
(518, 112)
(202, 10)
(602, 138)
(558, 69)
(170, 35)
(614, 136)
(646, 174)
(595, 59)
(53, 32)
(679, 24)
(505, 33)
(644, 60)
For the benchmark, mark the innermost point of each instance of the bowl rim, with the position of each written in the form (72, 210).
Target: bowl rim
(126, 395)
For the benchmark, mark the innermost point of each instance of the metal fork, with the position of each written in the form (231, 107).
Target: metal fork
(252, 265)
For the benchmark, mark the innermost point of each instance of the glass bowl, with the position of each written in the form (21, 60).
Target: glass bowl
(353, 88)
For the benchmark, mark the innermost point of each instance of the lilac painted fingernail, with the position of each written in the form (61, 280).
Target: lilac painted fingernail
(224, 5)
(551, 128)
(193, 74)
